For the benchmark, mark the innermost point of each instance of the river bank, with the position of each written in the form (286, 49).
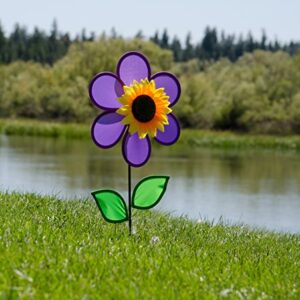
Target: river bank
(190, 137)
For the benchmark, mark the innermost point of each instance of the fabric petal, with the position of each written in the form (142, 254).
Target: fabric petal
(171, 133)
(104, 90)
(107, 129)
(133, 66)
(136, 151)
(170, 83)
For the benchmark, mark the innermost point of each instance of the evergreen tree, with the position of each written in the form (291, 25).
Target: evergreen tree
(209, 43)
(198, 52)
(13, 43)
(155, 38)
(249, 43)
(222, 44)
(164, 43)
(92, 36)
(188, 52)
(263, 41)
(239, 47)
(177, 49)
(293, 48)
(277, 45)
(83, 37)
(229, 47)
(53, 47)
(65, 38)
(139, 35)
(2, 45)
(113, 33)
(38, 46)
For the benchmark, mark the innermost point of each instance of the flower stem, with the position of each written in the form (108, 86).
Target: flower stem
(129, 201)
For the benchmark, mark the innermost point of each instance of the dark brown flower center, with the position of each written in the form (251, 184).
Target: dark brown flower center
(143, 108)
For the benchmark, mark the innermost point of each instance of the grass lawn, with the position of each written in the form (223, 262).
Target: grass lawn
(64, 250)
(190, 137)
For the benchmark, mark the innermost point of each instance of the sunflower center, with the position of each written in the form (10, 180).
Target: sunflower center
(143, 108)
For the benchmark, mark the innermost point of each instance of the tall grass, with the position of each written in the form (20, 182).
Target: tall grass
(46, 129)
(227, 139)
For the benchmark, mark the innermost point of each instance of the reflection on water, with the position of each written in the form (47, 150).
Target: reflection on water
(260, 188)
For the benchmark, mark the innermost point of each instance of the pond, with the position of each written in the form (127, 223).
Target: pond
(256, 187)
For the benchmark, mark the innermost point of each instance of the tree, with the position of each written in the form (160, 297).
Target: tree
(38, 46)
(164, 43)
(139, 35)
(83, 35)
(210, 43)
(188, 52)
(177, 49)
(249, 43)
(229, 47)
(155, 38)
(2, 45)
(263, 40)
(113, 33)
(92, 36)
(239, 47)
(53, 45)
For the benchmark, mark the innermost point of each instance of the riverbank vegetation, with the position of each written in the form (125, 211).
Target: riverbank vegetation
(258, 93)
(63, 249)
(189, 137)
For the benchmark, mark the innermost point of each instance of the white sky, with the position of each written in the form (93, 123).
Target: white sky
(280, 18)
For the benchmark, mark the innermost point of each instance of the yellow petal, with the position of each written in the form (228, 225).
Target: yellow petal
(142, 135)
(160, 126)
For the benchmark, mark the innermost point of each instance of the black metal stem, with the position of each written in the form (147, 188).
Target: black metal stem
(129, 201)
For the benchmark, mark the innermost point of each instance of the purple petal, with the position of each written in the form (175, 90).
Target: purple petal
(136, 151)
(171, 133)
(170, 83)
(104, 90)
(107, 129)
(133, 66)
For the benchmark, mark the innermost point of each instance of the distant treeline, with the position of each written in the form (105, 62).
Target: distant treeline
(214, 46)
(47, 48)
(37, 46)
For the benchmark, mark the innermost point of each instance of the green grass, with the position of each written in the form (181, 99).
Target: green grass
(64, 250)
(227, 139)
(46, 129)
(194, 138)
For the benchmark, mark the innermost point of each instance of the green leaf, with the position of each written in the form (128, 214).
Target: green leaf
(149, 191)
(112, 206)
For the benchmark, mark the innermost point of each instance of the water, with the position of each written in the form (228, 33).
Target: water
(259, 188)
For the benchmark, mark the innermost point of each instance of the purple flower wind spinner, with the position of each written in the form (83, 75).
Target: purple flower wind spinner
(137, 106)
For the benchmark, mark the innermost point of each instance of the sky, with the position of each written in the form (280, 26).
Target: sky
(279, 18)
